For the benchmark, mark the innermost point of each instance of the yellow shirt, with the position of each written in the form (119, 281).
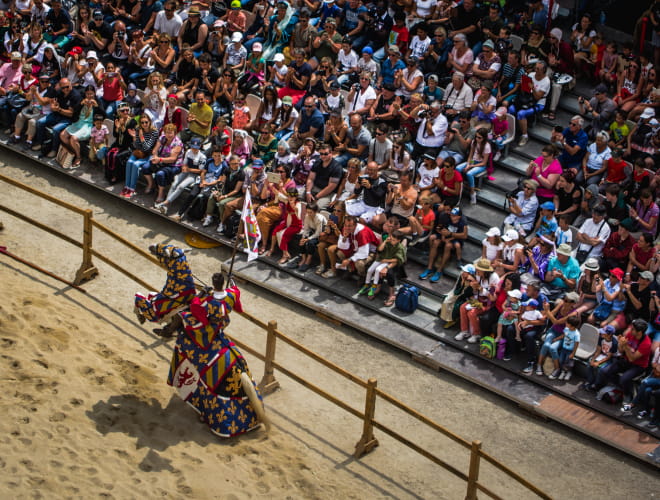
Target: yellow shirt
(203, 113)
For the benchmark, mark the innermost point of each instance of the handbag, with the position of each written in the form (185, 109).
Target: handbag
(524, 100)
(139, 154)
(17, 101)
(602, 311)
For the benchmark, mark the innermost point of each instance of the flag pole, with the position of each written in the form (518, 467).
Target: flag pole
(233, 257)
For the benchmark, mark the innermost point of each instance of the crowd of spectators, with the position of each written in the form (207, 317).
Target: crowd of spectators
(358, 128)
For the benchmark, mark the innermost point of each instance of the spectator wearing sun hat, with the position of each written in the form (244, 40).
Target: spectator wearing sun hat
(193, 31)
(563, 270)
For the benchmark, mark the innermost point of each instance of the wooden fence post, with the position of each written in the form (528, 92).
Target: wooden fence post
(87, 269)
(368, 442)
(473, 475)
(268, 383)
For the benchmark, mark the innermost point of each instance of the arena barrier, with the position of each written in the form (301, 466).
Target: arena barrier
(268, 383)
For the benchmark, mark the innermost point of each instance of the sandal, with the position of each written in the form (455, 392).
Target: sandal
(75, 163)
(262, 251)
(390, 301)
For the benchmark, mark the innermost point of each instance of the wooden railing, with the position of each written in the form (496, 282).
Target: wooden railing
(268, 383)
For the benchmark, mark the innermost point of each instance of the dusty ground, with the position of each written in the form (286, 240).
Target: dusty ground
(87, 411)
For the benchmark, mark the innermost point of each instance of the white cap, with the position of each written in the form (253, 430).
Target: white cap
(647, 113)
(511, 235)
(493, 231)
(236, 37)
(278, 57)
(92, 55)
(515, 294)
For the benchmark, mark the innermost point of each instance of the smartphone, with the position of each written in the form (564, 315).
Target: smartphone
(273, 177)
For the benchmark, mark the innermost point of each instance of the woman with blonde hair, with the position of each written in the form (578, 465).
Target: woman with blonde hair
(162, 56)
(155, 99)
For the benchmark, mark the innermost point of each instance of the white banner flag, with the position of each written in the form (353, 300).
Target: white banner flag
(250, 229)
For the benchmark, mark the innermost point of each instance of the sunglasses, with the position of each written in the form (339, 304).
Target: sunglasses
(123, 110)
(144, 122)
(66, 87)
(309, 106)
(98, 18)
(380, 133)
(324, 154)
(281, 171)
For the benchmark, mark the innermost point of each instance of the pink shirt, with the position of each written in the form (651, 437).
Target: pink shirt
(98, 134)
(10, 76)
(553, 168)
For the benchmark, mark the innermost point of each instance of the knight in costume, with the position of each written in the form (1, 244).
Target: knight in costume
(176, 295)
(207, 369)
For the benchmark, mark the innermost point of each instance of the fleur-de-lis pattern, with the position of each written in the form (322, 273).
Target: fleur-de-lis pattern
(179, 289)
(219, 397)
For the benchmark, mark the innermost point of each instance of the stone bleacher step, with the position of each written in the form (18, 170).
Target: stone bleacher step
(531, 150)
(504, 180)
(542, 131)
(514, 163)
(493, 198)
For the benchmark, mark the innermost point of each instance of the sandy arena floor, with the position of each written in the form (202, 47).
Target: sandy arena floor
(87, 412)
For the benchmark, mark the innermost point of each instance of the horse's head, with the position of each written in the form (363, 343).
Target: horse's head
(166, 253)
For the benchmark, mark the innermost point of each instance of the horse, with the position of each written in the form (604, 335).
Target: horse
(207, 369)
(176, 295)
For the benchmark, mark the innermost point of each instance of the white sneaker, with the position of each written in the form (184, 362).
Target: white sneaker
(473, 198)
(523, 140)
(462, 335)
(207, 220)
(474, 339)
(567, 375)
(220, 228)
(562, 375)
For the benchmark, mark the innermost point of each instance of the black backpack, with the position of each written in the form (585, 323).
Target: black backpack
(232, 224)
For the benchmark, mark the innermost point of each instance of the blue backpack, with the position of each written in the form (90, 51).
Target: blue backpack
(407, 298)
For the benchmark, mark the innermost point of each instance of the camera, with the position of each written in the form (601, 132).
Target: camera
(356, 86)
(423, 113)
(121, 34)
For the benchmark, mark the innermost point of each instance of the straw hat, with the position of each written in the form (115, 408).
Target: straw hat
(483, 265)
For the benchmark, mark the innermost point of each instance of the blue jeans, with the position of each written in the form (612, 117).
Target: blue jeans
(653, 333)
(470, 174)
(648, 385)
(55, 121)
(133, 169)
(550, 347)
(284, 134)
(446, 153)
(110, 108)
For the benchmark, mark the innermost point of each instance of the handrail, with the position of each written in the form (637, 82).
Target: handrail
(310, 353)
(268, 383)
